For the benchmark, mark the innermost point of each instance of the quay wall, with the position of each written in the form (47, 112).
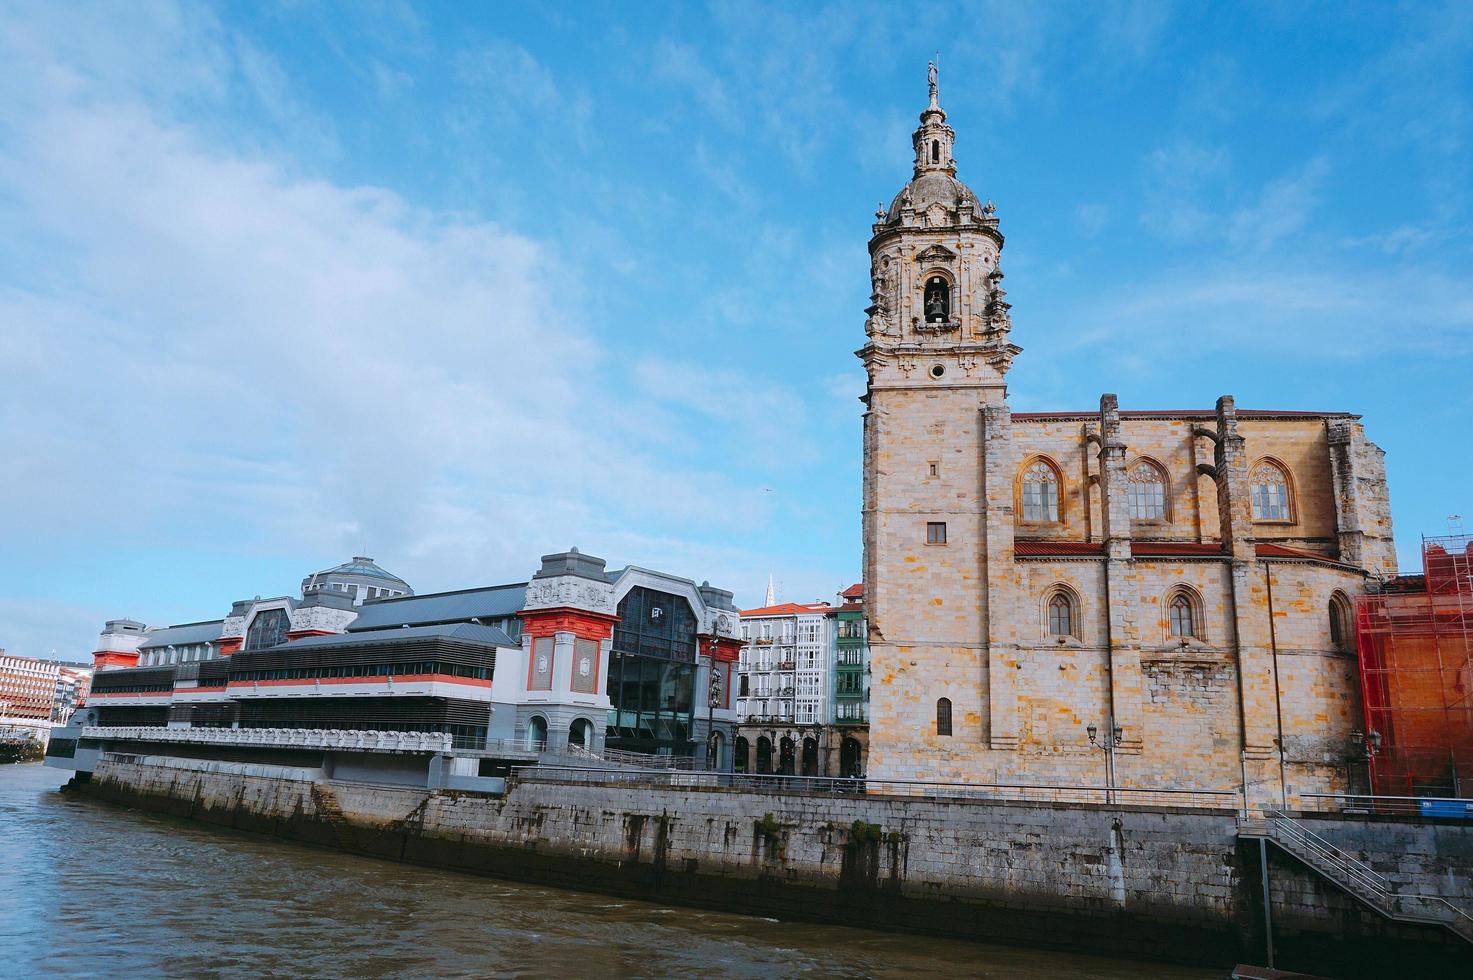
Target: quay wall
(1156, 883)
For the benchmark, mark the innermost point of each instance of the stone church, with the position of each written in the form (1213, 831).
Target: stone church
(1173, 587)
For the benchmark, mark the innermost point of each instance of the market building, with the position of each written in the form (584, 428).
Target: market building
(578, 659)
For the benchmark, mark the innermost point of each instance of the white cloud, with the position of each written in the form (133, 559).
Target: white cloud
(200, 345)
(1282, 210)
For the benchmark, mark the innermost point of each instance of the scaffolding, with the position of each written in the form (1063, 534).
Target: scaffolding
(1414, 639)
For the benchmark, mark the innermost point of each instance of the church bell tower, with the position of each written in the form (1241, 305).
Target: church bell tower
(936, 427)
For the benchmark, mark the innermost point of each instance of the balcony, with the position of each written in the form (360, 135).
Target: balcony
(849, 695)
(787, 665)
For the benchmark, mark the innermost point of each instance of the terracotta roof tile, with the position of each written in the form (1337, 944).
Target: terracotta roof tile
(788, 609)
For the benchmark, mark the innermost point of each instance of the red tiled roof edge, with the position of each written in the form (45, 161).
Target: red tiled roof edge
(787, 609)
(1184, 413)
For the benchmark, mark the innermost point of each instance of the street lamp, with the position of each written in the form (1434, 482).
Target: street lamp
(1107, 746)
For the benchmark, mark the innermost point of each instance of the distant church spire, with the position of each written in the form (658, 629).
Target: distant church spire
(771, 599)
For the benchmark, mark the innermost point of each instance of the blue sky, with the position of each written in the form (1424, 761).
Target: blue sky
(456, 285)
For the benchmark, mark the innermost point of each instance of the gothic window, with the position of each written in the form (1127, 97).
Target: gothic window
(1342, 632)
(1040, 492)
(267, 630)
(937, 300)
(1060, 609)
(1270, 492)
(1145, 492)
(943, 716)
(1183, 617)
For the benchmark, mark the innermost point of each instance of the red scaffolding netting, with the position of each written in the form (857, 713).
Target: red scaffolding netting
(1415, 643)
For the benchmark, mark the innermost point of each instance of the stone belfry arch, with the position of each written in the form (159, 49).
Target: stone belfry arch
(938, 503)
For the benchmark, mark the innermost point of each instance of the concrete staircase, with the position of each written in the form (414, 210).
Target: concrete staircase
(1353, 877)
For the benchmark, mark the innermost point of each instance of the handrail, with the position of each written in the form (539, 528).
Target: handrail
(912, 787)
(1404, 805)
(1285, 827)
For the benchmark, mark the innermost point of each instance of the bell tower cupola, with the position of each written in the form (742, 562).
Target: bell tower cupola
(935, 273)
(933, 141)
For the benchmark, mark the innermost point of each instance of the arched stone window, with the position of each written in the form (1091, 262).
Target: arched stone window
(1061, 613)
(943, 716)
(1270, 492)
(1183, 615)
(739, 754)
(1145, 491)
(1342, 623)
(937, 300)
(1040, 491)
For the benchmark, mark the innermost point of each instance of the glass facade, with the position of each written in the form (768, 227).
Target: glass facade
(653, 707)
(267, 630)
(652, 674)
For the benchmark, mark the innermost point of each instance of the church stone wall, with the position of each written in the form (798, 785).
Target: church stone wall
(1256, 701)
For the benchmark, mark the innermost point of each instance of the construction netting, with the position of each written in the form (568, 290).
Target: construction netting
(1414, 639)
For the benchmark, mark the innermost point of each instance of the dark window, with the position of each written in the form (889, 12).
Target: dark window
(935, 532)
(943, 716)
(267, 630)
(935, 151)
(937, 300)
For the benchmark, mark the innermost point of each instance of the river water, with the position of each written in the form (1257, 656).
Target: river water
(91, 889)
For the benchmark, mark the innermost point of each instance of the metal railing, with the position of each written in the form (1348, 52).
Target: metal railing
(1363, 882)
(1011, 792)
(1414, 806)
(523, 747)
(297, 738)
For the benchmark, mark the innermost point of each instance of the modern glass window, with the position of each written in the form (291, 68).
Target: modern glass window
(1270, 493)
(1182, 616)
(943, 716)
(1060, 615)
(1145, 493)
(653, 704)
(656, 624)
(935, 532)
(1040, 493)
(268, 629)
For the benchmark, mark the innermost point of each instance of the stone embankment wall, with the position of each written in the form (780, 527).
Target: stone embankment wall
(1167, 884)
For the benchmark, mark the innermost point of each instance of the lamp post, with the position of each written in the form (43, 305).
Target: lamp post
(1371, 742)
(1106, 745)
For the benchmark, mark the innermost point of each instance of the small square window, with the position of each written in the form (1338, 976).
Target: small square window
(935, 532)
